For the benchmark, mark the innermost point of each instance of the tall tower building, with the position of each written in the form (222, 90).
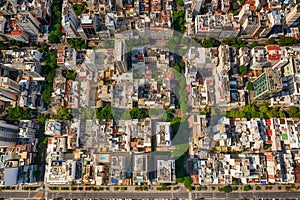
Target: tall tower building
(293, 15)
(88, 24)
(69, 21)
(28, 24)
(8, 134)
(120, 56)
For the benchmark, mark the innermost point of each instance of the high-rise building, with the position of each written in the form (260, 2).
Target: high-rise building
(268, 84)
(88, 25)
(18, 34)
(9, 90)
(120, 56)
(29, 24)
(8, 134)
(69, 21)
(9, 85)
(293, 15)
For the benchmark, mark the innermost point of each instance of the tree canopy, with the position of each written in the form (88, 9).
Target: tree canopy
(180, 3)
(46, 94)
(262, 111)
(77, 43)
(178, 19)
(243, 70)
(250, 86)
(294, 112)
(105, 113)
(138, 113)
(55, 34)
(237, 43)
(62, 114)
(49, 68)
(287, 41)
(41, 119)
(71, 75)
(211, 42)
(18, 113)
(271, 41)
(79, 7)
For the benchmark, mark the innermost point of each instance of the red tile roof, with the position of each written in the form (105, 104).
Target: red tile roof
(16, 32)
(269, 132)
(250, 2)
(60, 60)
(274, 57)
(273, 47)
(134, 144)
(297, 173)
(195, 179)
(268, 122)
(269, 156)
(61, 52)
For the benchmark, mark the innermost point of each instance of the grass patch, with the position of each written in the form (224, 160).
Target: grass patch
(284, 136)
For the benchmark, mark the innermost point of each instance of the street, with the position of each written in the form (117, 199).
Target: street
(150, 195)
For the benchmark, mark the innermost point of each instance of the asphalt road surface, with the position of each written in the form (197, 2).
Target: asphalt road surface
(149, 195)
(117, 195)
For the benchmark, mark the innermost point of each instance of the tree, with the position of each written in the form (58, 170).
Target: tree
(62, 114)
(287, 41)
(71, 75)
(105, 113)
(235, 5)
(294, 112)
(168, 116)
(250, 86)
(187, 181)
(77, 43)
(243, 70)
(37, 174)
(178, 20)
(41, 119)
(264, 111)
(44, 48)
(180, 2)
(46, 94)
(227, 188)
(247, 188)
(242, 2)
(79, 8)
(211, 42)
(138, 113)
(176, 68)
(18, 113)
(282, 114)
(271, 41)
(182, 65)
(254, 44)
(55, 34)
(237, 43)
(49, 69)
(274, 112)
